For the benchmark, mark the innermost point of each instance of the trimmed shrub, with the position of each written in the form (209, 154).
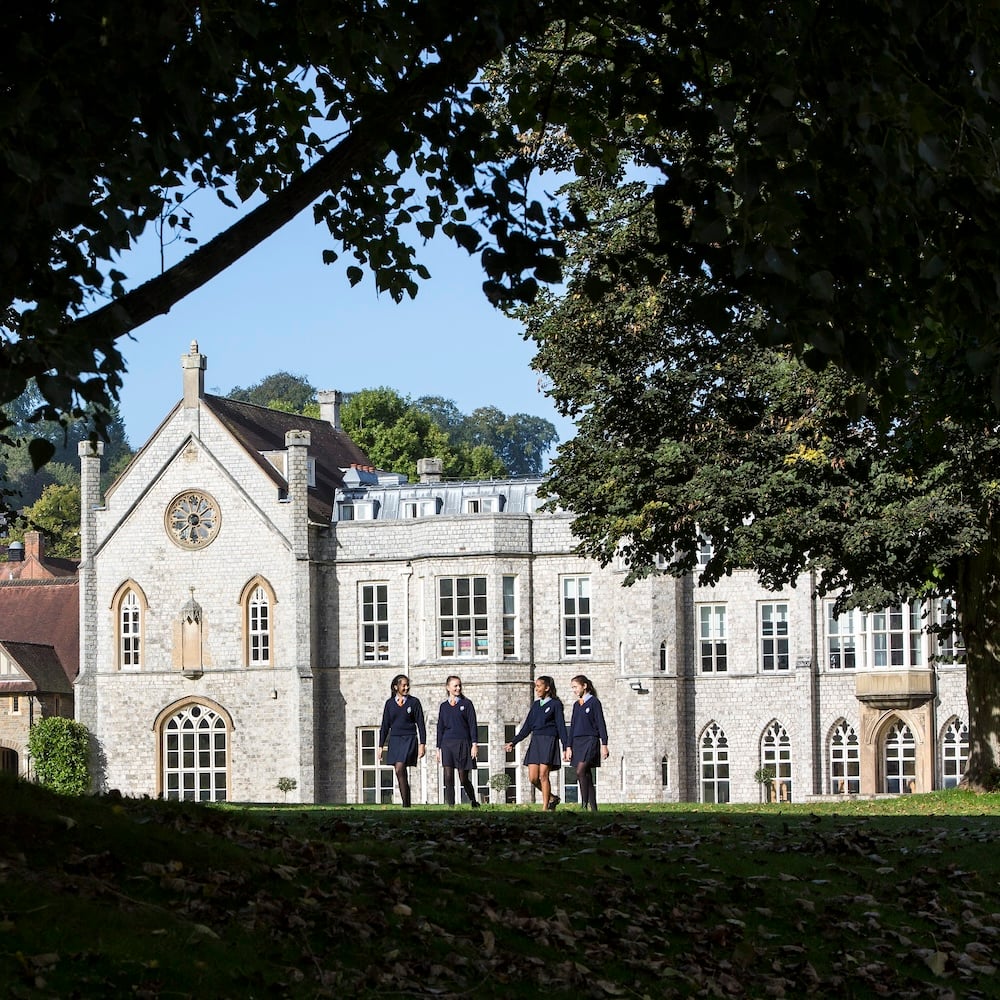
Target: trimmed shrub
(60, 751)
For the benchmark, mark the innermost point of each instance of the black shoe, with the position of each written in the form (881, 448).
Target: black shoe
(474, 804)
(554, 800)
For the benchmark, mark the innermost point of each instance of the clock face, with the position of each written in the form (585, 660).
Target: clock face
(192, 519)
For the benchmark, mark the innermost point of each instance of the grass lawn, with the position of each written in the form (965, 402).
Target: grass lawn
(135, 898)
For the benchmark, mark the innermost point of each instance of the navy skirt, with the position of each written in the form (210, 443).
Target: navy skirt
(458, 754)
(402, 749)
(587, 750)
(544, 750)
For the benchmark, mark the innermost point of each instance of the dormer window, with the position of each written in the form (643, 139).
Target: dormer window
(484, 505)
(357, 510)
(421, 508)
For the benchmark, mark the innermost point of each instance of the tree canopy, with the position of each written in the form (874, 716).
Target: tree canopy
(689, 434)
(23, 482)
(114, 118)
(832, 165)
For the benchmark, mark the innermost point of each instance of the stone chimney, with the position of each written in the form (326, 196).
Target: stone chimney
(330, 401)
(193, 364)
(90, 453)
(429, 469)
(297, 475)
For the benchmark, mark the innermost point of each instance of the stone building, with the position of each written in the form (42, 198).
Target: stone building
(250, 586)
(39, 645)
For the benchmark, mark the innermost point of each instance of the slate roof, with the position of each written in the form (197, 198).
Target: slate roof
(259, 430)
(516, 496)
(41, 664)
(43, 613)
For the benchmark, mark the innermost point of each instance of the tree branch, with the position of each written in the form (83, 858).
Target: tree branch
(471, 45)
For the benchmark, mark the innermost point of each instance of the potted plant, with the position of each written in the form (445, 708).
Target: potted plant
(500, 782)
(765, 776)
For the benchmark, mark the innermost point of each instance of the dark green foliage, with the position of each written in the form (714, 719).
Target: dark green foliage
(60, 753)
(689, 433)
(35, 441)
(831, 167)
(281, 387)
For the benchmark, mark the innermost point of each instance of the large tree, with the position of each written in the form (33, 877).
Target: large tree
(687, 432)
(396, 434)
(834, 164)
(113, 117)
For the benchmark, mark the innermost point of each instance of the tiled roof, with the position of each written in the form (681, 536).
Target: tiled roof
(41, 664)
(45, 613)
(259, 430)
(50, 566)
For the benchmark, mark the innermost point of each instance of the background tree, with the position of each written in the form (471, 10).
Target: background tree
(687, 433)
(396, 434)
(444, 413)
(23, 482)
(56, 514)
(520, 441)
(280, 391)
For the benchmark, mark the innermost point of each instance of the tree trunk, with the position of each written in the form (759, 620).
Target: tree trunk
(978, 601)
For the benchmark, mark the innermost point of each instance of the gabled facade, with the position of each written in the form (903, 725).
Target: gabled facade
(250, 586)
(196, 599)
(39, 659)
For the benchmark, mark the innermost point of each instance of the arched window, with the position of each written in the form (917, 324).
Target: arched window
(900, 759)
(195, 754)
(845, 760)
(954, 753)
(776, 754)
(714, 765)
(258, 603)
(663, 657)
(129, 606)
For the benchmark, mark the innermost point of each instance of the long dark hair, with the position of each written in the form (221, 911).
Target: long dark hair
(585, 683)
(395, 683)
(550, 684)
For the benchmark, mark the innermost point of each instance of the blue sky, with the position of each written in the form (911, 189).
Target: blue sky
(280, 308)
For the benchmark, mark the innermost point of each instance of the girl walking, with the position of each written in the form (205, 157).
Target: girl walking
(547, 727)
(403, 737)
(588, 739)
(457, 733)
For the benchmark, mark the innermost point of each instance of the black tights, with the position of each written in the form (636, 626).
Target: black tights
(588, 793)
(403, 780)
(449, 785)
